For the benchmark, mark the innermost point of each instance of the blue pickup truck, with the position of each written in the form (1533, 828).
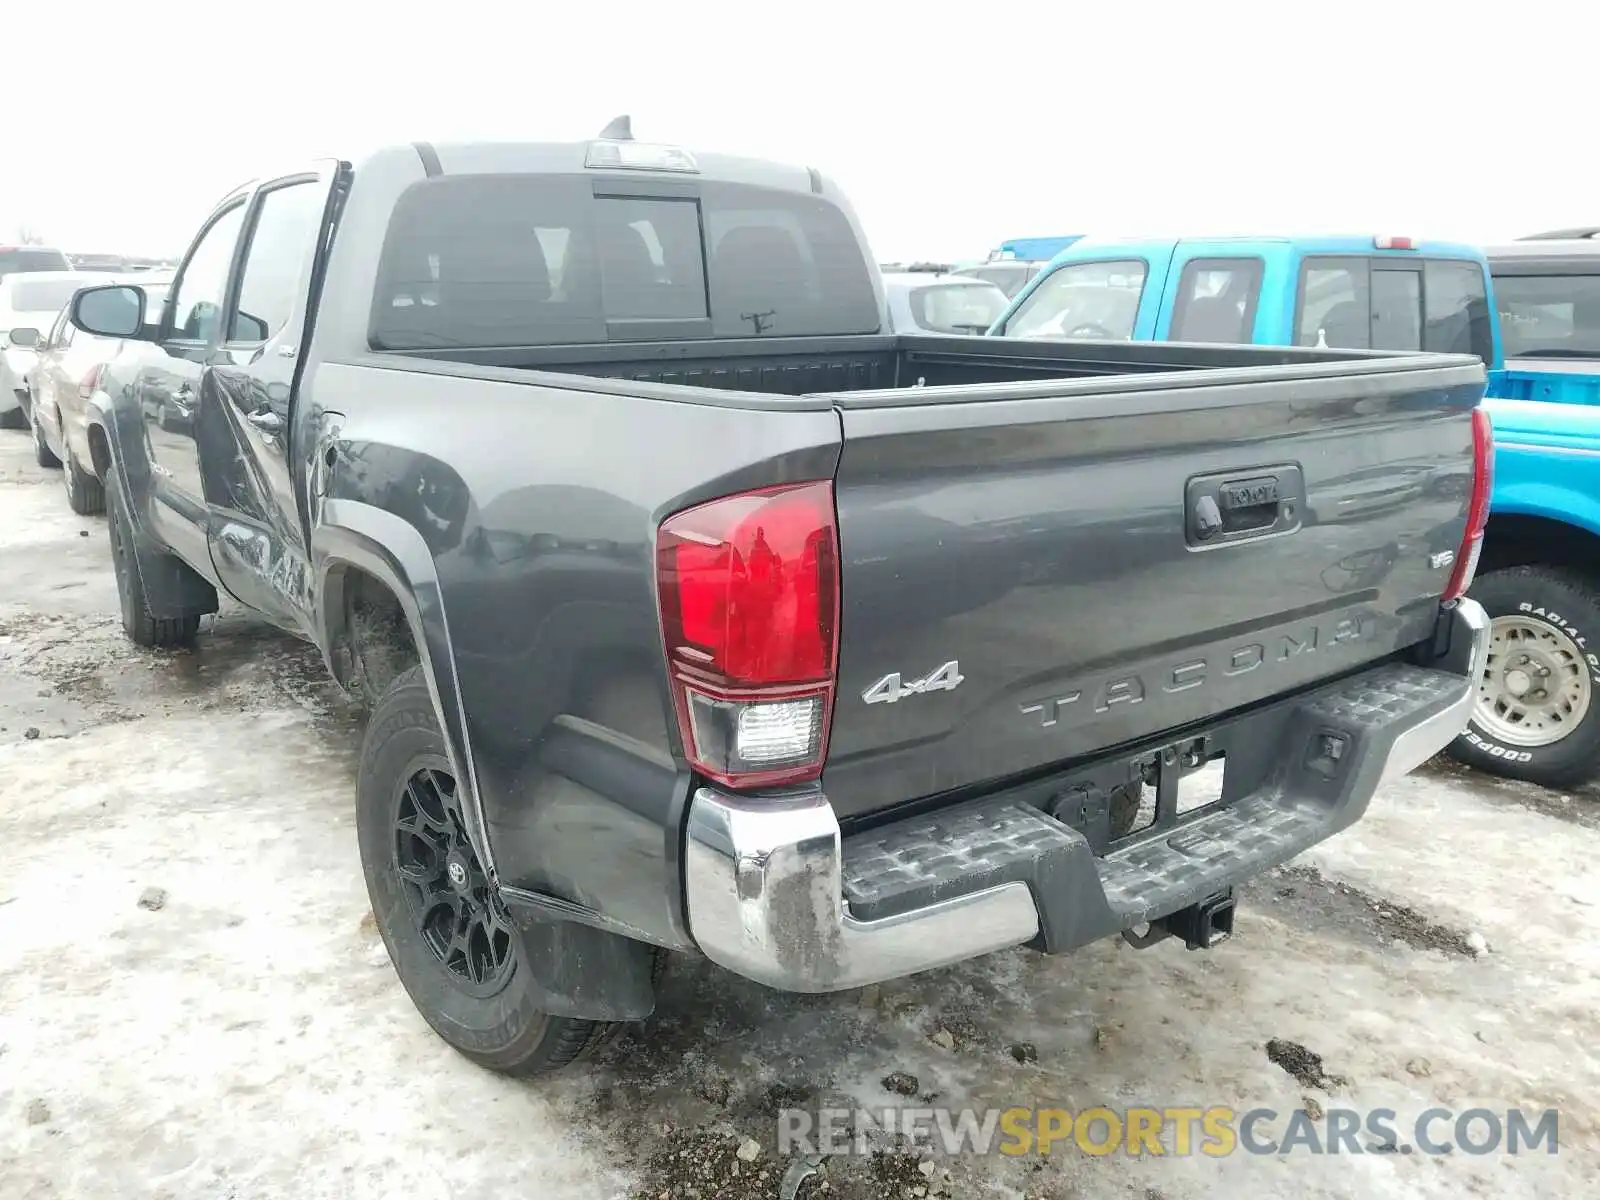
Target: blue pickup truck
(1531, 311)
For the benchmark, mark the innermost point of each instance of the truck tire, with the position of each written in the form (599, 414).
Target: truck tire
(1537, 716)
(86, 495)
(458, 956)
(142, 628)
(41, 448)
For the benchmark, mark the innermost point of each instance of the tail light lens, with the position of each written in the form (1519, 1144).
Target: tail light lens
(749, 594)
(91, 381)
(1477, 507)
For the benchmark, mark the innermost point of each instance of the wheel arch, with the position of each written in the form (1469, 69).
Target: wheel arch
(369, 559)
(1559, 537)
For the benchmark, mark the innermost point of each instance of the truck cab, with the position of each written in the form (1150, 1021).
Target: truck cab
(1364, 293)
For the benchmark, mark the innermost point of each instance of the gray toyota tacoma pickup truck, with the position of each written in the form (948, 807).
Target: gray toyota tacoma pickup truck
(696, 613)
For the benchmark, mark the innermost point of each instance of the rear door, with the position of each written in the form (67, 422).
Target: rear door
(1025, 582)
(251, 463)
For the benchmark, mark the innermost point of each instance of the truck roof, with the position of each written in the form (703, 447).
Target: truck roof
(651, 160)
(1544, 252)
(1350, 243)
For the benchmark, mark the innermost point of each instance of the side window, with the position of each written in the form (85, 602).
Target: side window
(1396, 308)
(1457, 309)
(1098, 300)
(650, 259)
(286, 225)
(1334, 306)
(1217, 300)
(197, 312)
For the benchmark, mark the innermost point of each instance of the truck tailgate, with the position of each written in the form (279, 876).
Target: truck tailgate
(1037, 573)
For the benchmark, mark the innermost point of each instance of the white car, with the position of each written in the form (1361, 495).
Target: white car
(29, 304)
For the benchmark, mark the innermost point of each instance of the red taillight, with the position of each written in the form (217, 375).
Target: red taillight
(749, 593)
(1395, 243)
(1477, 507)
(91, 381)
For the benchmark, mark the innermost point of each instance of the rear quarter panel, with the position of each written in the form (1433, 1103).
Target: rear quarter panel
(534, 510)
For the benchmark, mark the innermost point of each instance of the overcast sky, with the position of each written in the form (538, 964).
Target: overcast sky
(952, 126)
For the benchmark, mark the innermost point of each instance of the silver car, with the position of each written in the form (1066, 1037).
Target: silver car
(64, 378)
(29, 304)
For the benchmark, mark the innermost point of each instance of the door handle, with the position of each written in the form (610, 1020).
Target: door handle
(267, 421)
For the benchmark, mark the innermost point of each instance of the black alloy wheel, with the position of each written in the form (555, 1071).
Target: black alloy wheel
(455, 908)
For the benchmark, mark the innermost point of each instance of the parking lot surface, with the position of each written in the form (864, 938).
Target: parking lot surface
(194, 1001)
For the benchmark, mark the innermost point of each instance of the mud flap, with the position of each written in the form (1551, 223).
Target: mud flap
(580, 971)
(172, 588)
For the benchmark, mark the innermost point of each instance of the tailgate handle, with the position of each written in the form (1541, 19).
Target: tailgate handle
(1239, 507)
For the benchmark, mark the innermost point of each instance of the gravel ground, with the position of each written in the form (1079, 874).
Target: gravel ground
(194, 1001)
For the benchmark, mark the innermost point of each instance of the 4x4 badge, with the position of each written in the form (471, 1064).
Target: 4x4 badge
(891, 687)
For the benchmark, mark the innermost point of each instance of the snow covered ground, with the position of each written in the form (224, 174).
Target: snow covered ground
(194, 1001)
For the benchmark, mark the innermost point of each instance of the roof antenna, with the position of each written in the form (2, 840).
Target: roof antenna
(620, 130)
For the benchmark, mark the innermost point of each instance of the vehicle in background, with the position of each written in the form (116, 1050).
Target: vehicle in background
(936, 303)
(696, 611)
(1034, 249)
(113, 264)
(1579, 233)
(1009, 275)
(30, 301)
(18, 260)
(65, 376)
(1345, 292)
(119, 264)
(1538, 711)
(1547, 296)
(1536, 326)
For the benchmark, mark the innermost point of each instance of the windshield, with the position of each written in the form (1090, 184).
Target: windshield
(43, 295)
(957, 307)
(1543, 315)
(1098, 300)
(18, 259)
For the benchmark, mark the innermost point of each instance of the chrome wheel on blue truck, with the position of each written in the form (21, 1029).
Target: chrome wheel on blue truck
(1534, 717)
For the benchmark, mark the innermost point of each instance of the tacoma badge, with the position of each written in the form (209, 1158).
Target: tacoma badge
(891, 688)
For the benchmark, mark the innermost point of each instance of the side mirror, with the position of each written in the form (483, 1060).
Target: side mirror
(113, 311)
(25, 338)
(249, 329)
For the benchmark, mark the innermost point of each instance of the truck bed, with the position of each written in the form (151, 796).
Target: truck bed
(830, 366)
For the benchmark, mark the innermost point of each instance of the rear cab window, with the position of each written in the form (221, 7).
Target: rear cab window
(1091, 300)
(1393, 303)
(1217, 300)
(549, 260)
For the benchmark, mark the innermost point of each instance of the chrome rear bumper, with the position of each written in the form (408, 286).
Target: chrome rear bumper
(767, 879)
